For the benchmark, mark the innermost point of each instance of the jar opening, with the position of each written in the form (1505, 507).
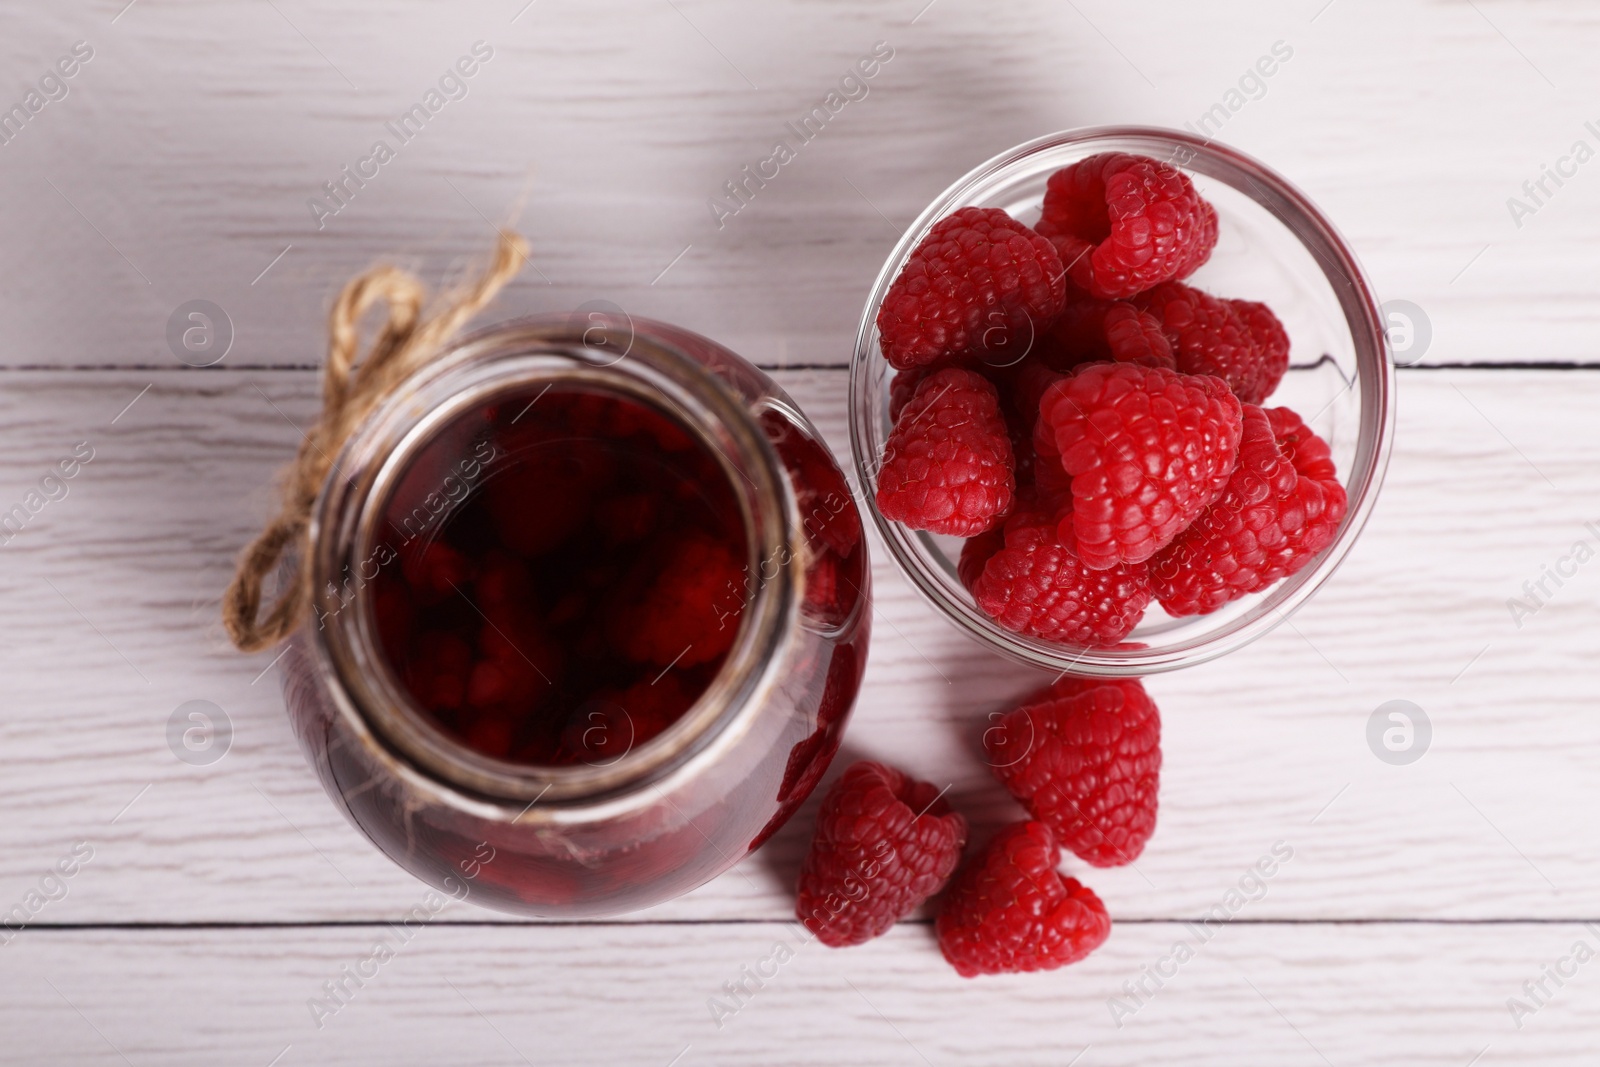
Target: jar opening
(568, 574)
(555, 545)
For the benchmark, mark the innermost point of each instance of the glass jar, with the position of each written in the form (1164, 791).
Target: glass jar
(666, 815)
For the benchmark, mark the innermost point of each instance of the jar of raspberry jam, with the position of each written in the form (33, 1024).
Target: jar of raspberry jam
(591, 609)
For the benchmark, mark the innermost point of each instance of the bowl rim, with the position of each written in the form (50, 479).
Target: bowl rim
(1374, 371)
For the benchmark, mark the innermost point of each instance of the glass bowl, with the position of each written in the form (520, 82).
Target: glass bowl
(1275, 246)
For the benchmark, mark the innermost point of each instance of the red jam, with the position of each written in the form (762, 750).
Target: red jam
(570, 575)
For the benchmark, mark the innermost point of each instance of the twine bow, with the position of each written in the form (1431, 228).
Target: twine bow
(405, 342)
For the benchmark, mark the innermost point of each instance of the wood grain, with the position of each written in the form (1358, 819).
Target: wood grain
(179, 166)
(110, 600)
(181, 162)
(1281, 994)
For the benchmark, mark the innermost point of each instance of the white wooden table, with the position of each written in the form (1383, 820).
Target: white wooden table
(218, 899)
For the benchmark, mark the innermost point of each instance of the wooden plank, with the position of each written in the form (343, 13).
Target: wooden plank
(109, 604)
(181, 163)
(1414, 995)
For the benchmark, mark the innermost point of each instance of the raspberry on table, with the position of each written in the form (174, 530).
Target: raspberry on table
(1240, 341)
(1283, 505)
(1147, 448)
(1124, 223)
(948, 463)
(980, 284)
(1038, 585)
(1010, 910)
(884, 844)
(1085, 759)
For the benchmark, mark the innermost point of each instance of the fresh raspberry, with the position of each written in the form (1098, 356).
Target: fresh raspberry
(976, 553)
(1271, 345)
(1133, 336)
(1240, 341)
(1204, 242)
(1037, 585)
(1023, 458)
(1078, 336)
(1125, 223)
(1025, 387)
(1310, 454)
(1010, 909)
(1020, 387)
(1052, 485)
(1071, 685)
(1085, 760)
(948, 464)
(1282, 506)
(687, 615)
(884, 844)
(980, 284)
(1148, 449)
(1090, 331)
(902, 387)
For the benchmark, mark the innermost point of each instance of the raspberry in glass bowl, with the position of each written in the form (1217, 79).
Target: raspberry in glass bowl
(1121, 401)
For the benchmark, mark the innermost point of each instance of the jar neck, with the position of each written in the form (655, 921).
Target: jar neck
(349, 544)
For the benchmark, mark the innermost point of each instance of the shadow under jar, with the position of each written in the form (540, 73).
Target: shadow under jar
(502, 561)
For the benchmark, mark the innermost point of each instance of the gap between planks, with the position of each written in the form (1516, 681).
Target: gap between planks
(356, 924)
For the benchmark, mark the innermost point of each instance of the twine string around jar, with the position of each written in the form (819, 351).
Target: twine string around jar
(405, 342)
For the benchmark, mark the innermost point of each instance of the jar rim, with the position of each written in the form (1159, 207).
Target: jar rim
(492, 362)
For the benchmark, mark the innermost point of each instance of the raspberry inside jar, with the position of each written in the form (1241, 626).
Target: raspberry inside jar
(567, 577)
